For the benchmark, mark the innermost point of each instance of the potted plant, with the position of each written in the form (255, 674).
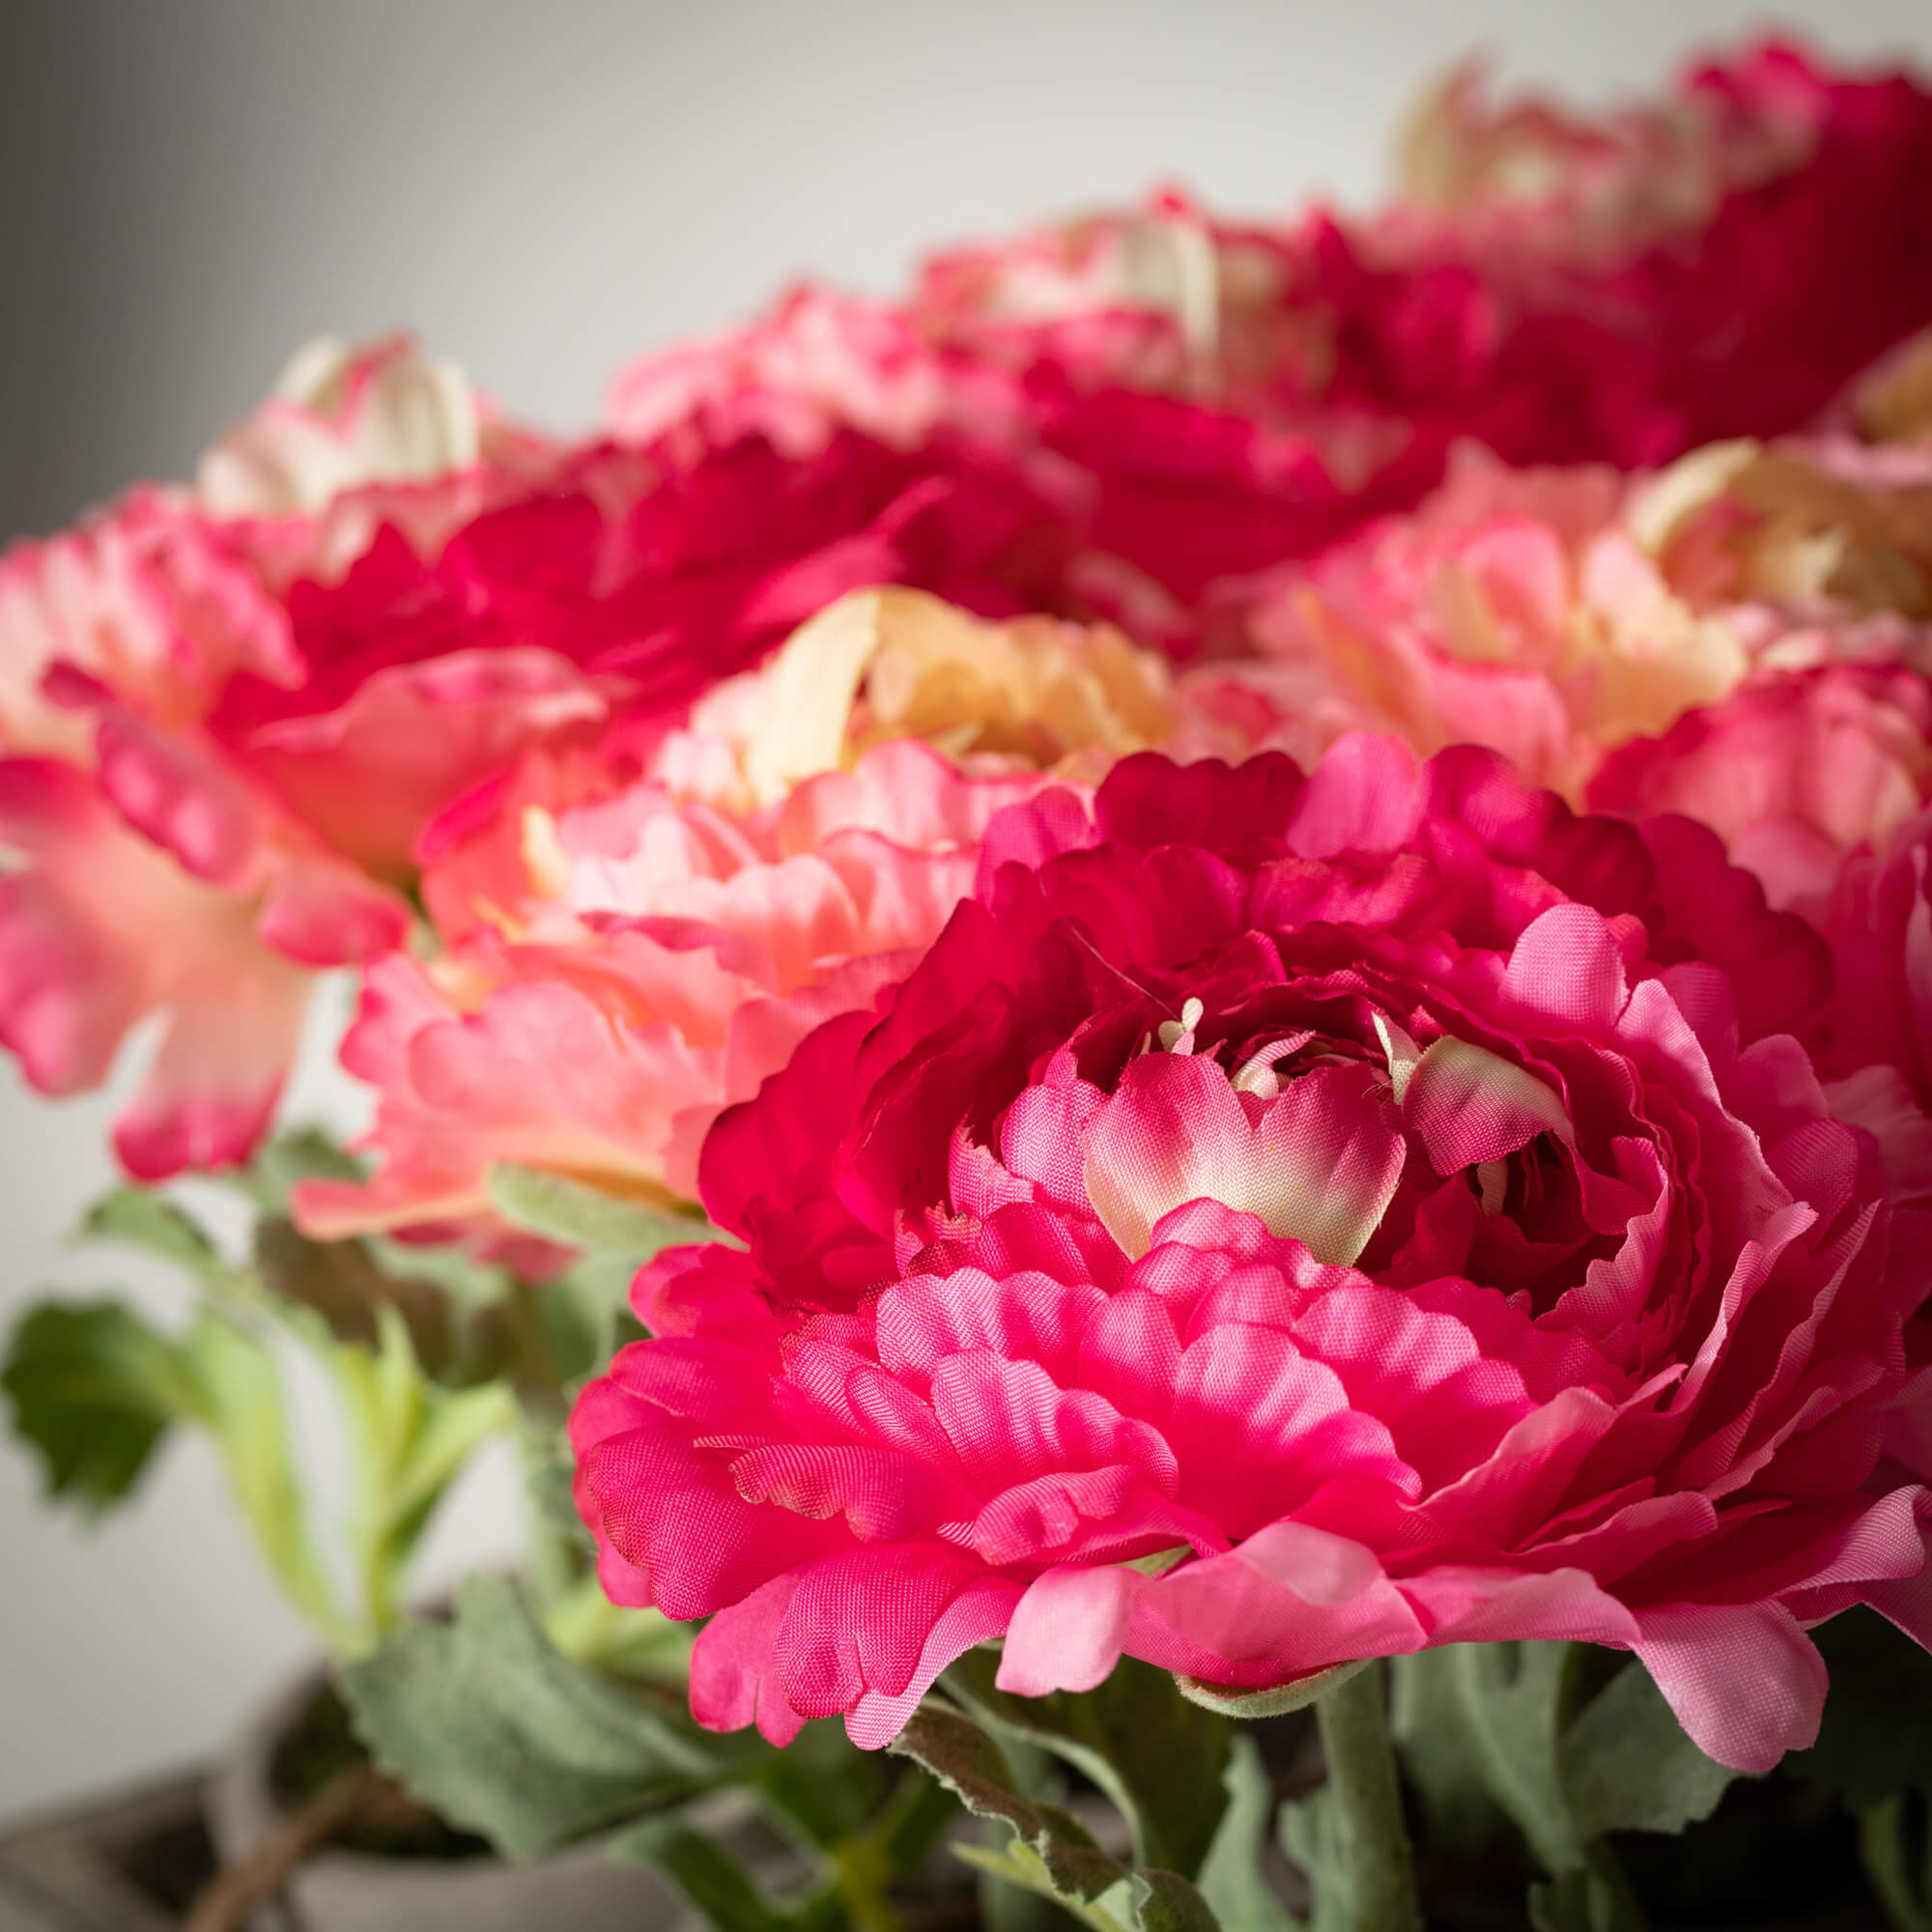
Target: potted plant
(1186, 1130)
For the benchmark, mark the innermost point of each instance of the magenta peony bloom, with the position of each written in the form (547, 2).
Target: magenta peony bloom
(1719, 262)
(1284, 1220)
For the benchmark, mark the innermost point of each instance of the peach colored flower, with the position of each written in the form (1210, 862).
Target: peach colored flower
(669, 955)
(1556, 614)
(1820, 528)
(1891, 402)
(1514, 608)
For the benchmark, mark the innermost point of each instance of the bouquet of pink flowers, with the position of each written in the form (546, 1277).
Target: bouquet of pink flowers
(1190, 977)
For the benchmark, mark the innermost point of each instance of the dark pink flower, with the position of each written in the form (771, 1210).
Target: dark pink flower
(1285, 1219)
(1718, 261)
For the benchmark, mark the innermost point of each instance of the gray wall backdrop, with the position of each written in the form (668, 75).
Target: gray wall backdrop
(188, 188)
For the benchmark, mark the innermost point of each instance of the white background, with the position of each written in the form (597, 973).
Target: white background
(188, 190)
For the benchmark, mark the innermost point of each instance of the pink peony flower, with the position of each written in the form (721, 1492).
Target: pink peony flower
(1718, 262)
(1283, 1220)
(380, 598)
(1822, 529)
(1557, 615)
(640, 932)
(159, 871)
(662, 957)
(1795, 772)
(1512, 608)
(100, 928)
(1891, 403)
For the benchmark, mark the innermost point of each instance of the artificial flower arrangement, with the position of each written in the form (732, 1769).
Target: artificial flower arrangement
(1186, 980)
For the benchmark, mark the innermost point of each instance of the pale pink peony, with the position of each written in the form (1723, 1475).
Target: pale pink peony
(1514, 608)
(1286, 1220)
(1891, 403)
(100, 928)
(1557, 615)
(660, 955)
(640, 928)
(1822, 528)
(1795, 772)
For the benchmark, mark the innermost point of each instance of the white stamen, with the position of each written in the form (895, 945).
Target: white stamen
(1177, 1036)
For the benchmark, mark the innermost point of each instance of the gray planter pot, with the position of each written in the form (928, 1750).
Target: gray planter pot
(575, 1889)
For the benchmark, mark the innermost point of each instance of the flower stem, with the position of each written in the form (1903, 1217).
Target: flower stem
(1362, 1775)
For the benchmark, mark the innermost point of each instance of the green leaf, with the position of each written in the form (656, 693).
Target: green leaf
(1163, 1901)
(486, 1721)
(715, 1882)
(964, 1759)
(1313, 1835)
(592, 1631)
(1051, 1852)
(578, 1215)
(1230, 1876)
(1438, 1755)
(471, 1286)
(236, 1395)
(585, 1314)
(1159, 1758)
(1628, 1766)
(94, 1389)
(413, 1438)
(826, 1787)
(1862, 1750)
(144, 1220)
(303, 1153)
(340, 1282)
(918, 1814)
(1514, 1700)
(1579, 1901)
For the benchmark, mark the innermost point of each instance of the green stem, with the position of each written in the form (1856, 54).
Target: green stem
(862, 1879)
(1898, 1859)
(1362, 1775)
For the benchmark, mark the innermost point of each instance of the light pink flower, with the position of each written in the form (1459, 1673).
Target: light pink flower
(1794, 771)
(101, 927)
(1557, 615)
(659, 957)
(1514, 608)
(685, 899)
(1891, 403)
(1283, 1220)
